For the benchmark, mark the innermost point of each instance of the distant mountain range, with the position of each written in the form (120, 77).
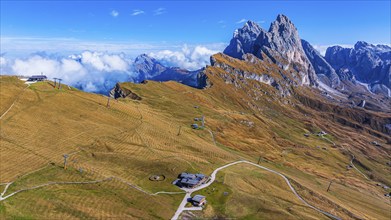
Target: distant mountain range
(341, 69)
(366, 68)
(359, 72)
(147, 67)
(365, 63)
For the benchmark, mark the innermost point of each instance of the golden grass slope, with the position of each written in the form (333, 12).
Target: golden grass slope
(132, 140)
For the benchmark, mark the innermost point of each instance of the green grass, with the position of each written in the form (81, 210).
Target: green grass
(215, 194)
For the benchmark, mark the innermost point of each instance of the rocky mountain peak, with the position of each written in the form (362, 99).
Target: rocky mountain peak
(243, 40)
(282, 24)
(361, 44)
(282, 44)
(145, 59)
(251, 26)
(148, 66)
(282, 18)
(364, 46)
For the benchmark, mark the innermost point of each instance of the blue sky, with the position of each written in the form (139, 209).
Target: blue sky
(155, 25)
(50, 36)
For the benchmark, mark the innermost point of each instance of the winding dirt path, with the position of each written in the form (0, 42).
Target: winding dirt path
(2, 197)
(351, 154)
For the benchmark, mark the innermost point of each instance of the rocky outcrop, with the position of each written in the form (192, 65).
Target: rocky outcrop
(203, 81)
(240, 76)
(323, 69)
(366, 63)
(119, 92)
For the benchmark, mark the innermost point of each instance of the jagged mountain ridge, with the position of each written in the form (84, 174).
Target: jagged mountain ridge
(281, 44)
(149, 68)
(366, 63)
(342, 69)
(326, 73)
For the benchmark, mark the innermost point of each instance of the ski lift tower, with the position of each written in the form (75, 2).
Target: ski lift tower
(59, 83)
(55, 82)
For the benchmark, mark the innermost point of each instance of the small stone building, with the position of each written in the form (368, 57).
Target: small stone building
(198, 200)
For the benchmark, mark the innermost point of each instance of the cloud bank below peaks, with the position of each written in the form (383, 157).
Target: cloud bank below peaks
(187, 58)
(99, 71)
(89, 71)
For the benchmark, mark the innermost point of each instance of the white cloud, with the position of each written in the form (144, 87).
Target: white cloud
(90, 71)
(35, 65)
(95, 71)
(241, 21)
(104, 62)
(3, 61)
(4, 66)
(137, 12)
(159, 11)
(188, 58)
(114, 13)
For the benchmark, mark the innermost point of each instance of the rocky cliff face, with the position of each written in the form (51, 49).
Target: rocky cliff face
(365, 63)
(325, 72)
(281, 44)
(243, 40)
(119, 92)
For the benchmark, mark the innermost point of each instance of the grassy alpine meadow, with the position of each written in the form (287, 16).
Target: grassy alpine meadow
(114, 150)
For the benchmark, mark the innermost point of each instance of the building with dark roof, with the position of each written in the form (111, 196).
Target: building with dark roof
(37, 78)
(190, 180)
(198, 200)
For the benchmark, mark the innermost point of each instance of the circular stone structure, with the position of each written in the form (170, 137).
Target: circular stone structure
(157, 178)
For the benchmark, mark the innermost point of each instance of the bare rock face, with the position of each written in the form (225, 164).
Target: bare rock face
(243, 40)
(281, 44)
(119, 92)
(323, 69)
(203, 80)
(236, 74)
